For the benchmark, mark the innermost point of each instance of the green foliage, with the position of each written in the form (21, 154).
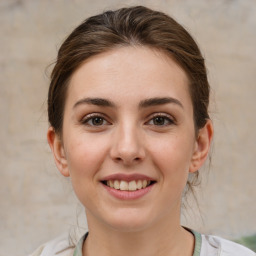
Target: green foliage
(248, 241)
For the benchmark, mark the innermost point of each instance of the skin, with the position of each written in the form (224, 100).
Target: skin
(129, 138)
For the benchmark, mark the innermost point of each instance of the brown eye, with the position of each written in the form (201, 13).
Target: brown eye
(161, 120)
(94, 121)
(97, 121)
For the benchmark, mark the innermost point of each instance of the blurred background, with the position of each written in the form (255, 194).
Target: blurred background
(36, 202)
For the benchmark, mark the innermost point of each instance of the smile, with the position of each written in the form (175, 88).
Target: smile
(132, 185)
(128, 186)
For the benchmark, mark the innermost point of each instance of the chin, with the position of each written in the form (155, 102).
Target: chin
(129, 220)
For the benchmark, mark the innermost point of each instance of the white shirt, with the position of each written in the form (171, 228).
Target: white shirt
(205, 245)
(216, 246)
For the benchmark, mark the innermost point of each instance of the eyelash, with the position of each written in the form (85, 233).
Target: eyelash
(93, 116)
(170, 120)
(88, 120)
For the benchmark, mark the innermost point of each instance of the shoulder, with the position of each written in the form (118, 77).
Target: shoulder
(60, 246)
(214, 245)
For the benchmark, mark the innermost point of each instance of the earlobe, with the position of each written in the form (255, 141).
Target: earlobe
(56, 146)
(202, 146)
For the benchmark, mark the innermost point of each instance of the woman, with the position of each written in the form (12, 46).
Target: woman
(128, 112)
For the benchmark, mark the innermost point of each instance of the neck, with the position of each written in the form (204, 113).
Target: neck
(162, 239)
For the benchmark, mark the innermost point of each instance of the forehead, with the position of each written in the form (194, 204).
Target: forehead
(133, 72)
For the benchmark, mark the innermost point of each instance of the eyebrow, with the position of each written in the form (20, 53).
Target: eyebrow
(159, 101)
(95, 101)
(143, 104)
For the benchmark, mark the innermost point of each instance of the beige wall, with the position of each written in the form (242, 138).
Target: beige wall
(36, 202)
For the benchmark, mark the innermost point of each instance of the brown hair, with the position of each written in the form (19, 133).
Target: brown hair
(123, 27)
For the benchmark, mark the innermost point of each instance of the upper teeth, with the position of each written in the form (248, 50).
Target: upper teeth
(130, 186)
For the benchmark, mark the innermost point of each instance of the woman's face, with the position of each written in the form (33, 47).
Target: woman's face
(128, 123)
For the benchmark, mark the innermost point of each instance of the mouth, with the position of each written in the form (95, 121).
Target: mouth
(132, 185)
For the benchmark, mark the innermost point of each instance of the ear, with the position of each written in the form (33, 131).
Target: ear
(202, 146)
(56, 146)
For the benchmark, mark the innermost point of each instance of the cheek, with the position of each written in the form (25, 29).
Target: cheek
(173, 156)
(84, 157)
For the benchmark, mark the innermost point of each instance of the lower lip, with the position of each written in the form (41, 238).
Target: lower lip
(128, 195)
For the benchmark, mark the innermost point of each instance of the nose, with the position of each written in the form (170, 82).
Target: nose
(127, 145)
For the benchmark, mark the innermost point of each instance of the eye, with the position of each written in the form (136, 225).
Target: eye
(161, 120)
(94, 120)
